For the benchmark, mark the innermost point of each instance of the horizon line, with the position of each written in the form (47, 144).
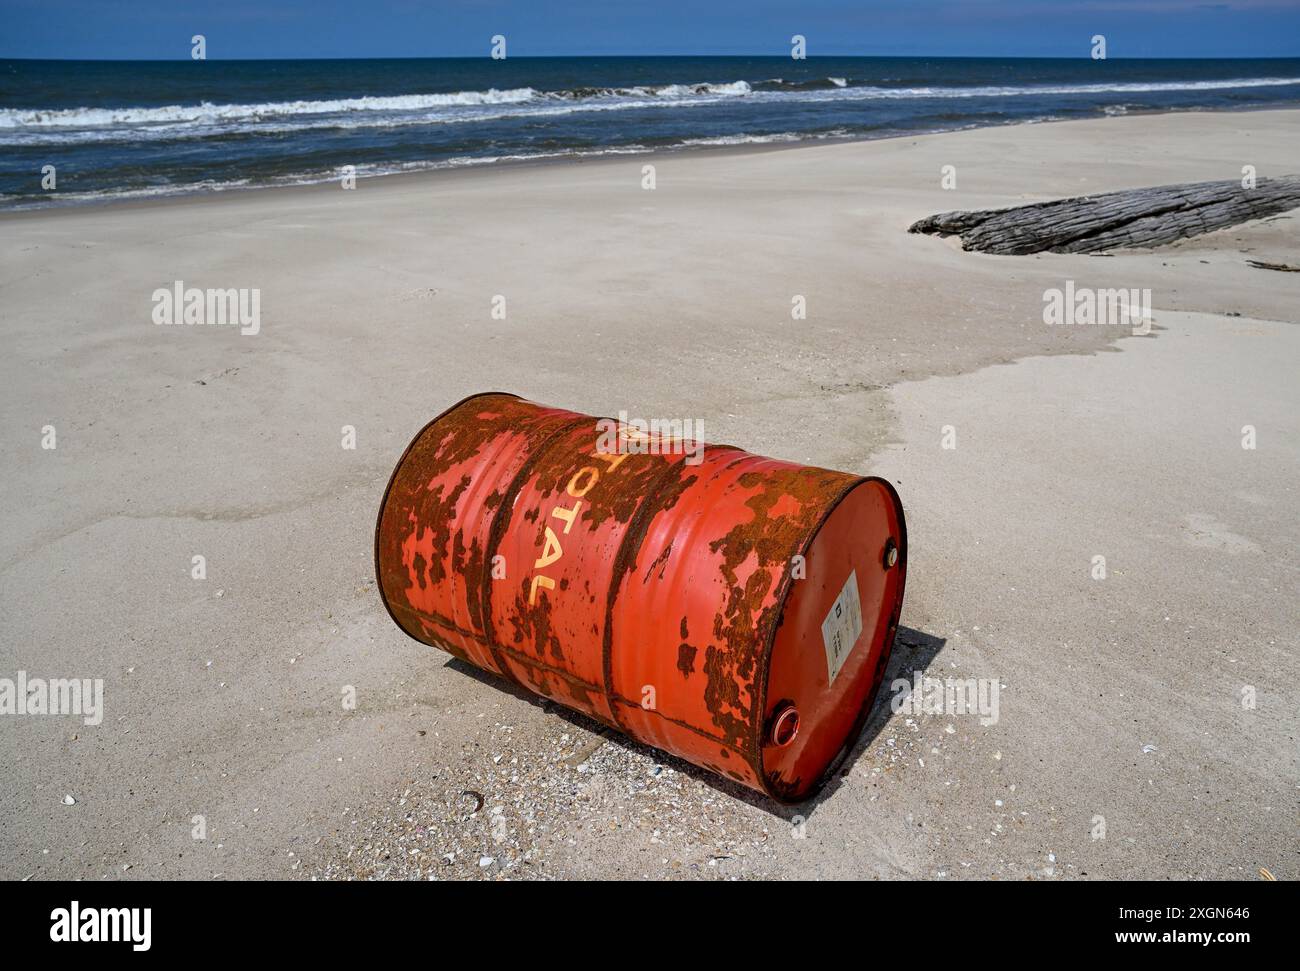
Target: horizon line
(541, 57)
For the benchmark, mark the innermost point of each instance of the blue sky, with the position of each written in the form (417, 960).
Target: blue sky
(162, 29)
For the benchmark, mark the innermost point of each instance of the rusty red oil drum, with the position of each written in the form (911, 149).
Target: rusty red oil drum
(734, 610)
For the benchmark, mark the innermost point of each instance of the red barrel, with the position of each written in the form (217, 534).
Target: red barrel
(735, 610)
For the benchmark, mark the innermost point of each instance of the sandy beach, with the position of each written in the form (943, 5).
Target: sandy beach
(1122, 699)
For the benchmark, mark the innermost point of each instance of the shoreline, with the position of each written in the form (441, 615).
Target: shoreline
(476, 168)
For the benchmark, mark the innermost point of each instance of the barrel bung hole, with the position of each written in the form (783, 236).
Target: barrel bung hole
(785, 726)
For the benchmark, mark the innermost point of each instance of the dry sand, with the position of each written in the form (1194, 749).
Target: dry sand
(223, 697)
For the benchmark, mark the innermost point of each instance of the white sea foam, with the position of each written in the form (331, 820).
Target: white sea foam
(210, 113)
(733, 89)
(772, 139)
(28, 126)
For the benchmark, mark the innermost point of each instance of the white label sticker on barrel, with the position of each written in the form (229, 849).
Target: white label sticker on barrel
(842, 626)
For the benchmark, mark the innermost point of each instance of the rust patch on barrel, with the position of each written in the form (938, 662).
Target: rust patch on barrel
(432, 515)
(786, 507)
(532, 624)
(473, 568)
(426, 540)
(462, 434)
(623, 481)
(686, 652)
(660, 561)
(661, 497)
(686, 659)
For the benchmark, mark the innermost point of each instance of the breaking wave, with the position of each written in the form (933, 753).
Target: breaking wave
(206, 118)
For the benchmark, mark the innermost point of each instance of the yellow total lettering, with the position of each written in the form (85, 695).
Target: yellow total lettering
(551, 550)
(588, 470)
(539, 581)
(567, 515)
(614, 461)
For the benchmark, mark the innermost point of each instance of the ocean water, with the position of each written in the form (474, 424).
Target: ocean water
(142, 128)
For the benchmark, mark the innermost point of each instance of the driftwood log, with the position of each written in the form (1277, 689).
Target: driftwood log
(1115, 220)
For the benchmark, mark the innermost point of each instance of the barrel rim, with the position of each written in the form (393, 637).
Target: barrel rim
(887, 650)
(383, 502)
